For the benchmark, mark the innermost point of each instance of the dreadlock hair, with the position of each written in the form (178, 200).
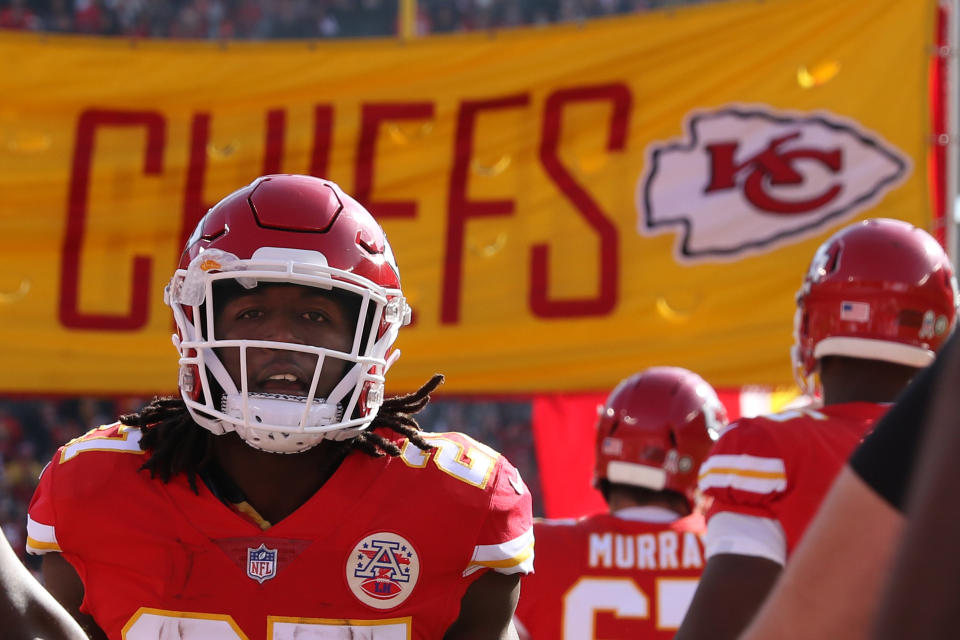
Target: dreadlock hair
(177, 444)
(396, 414)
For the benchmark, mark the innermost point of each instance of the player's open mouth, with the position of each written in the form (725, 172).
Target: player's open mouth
(285, 379)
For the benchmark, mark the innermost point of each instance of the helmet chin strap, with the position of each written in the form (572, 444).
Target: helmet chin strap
(346, 384)
(219, 372)
(214, 366)
(350, 379)
(393, 358)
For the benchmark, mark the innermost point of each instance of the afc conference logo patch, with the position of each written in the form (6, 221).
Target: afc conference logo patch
(382, 570)
(261, 563)
(748, 179)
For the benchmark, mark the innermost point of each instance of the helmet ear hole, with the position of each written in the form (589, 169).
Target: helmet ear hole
(833, 259)
(613, 427)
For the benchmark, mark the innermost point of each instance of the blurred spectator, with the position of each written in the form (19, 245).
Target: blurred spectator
(298, 19)
(30, 431)
(94, 17)
(504, 425)
(17, 15)
(59, 18)
(11, 433)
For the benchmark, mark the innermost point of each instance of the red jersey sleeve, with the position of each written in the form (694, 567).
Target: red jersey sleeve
(65, 482)
(745, 472)
(41, 517)
(505, 540)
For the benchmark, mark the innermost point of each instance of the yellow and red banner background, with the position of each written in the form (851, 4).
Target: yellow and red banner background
(532, 184)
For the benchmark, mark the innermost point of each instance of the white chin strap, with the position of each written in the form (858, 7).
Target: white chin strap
(283, 410)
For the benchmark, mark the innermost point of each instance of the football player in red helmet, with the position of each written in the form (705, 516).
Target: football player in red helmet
(632, 572)
(281, 493)
(877, 301)
(879, 290)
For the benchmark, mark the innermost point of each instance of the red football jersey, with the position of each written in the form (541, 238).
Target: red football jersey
(780, 466)
(386, 548)
(610, 577)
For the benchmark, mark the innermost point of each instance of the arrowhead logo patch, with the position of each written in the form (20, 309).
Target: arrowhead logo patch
(747, 180)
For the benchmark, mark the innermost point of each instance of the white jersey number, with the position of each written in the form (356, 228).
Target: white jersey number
(624, 599)
(150, 624)
(471, 464)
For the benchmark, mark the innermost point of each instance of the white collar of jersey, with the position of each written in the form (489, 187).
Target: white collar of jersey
(647, 514)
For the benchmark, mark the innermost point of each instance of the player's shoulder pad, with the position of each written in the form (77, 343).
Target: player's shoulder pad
(765, 430)
(749, 457)
(459, 457)
(462, 440)
(114, 438)
(463, 445)
(103, 455)
(107, 456)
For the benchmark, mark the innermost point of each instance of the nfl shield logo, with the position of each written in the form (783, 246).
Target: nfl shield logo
(261, 563)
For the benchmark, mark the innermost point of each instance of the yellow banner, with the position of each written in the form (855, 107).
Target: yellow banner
(568, 204)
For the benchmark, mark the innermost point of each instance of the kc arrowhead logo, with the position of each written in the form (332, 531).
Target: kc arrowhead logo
(750, 179)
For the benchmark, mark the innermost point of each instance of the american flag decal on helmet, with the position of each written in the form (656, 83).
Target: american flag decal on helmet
(855, 311)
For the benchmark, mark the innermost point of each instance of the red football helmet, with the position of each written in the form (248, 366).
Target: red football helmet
(656, 428)
(299, 230)
(879, 289)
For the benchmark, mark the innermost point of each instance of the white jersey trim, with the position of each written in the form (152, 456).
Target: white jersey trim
(647, 514)
(41, 538)
(745, 535)
(127, 439)
(512, 556)
(743, 472)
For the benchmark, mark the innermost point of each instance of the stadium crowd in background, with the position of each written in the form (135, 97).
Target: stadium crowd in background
(30, 431)
(261, 19)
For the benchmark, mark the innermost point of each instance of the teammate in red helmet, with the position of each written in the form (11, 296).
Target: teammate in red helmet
(281, 494)
(632, 572)
(878, 300)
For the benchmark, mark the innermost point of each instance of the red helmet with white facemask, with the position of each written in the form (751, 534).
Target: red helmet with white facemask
(879, 289)
(298, 230)
(656, 428)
